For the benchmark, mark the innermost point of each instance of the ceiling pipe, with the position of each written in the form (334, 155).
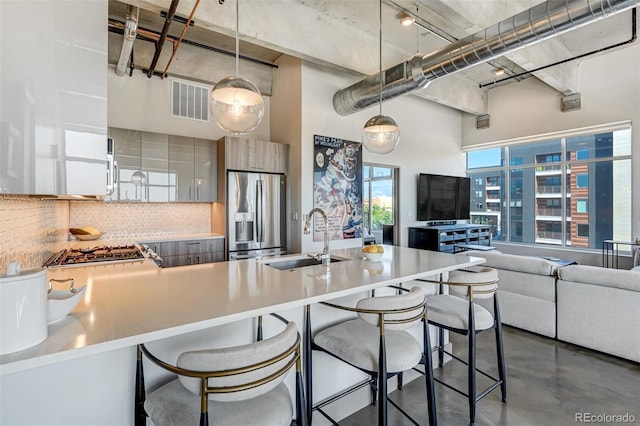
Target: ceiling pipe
(130, 33)
(163, 36)
(541, 22)
(153, 36)
(630, 40)
(188, 22)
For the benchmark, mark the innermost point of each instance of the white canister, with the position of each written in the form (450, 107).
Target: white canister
(23, 308)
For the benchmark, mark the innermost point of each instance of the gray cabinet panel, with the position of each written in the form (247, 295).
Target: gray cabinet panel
(188, 252)
(205, 171)
(157, 167)
(255, 155)
(143, 165)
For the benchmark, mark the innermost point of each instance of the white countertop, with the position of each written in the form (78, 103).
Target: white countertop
(179, 237)
(109, 241)
(135, 302)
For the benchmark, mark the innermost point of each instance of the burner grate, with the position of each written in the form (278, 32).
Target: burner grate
(95, 254)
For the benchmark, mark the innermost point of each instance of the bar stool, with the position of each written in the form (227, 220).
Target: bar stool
(458, 313)
(377, 343)
(240, 385)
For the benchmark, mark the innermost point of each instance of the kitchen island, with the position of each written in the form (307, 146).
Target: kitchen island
(137, 302)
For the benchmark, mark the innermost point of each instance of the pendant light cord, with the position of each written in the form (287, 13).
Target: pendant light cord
(237, 42)
(380, 56)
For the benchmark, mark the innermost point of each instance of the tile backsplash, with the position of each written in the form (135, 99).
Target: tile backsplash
(31, 230)
(124, 220)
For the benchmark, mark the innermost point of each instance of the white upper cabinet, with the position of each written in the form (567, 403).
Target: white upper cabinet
(53, 97)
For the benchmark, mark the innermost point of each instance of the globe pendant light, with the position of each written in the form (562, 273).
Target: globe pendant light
(380, 134)
(236, 103)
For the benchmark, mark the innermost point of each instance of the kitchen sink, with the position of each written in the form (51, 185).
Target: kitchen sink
(286, 263)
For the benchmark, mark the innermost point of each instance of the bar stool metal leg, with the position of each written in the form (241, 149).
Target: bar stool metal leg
(472, 366)
(307, 362)
(139, 414)
(500, 350)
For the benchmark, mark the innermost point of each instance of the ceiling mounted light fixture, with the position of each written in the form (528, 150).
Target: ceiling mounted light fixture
(380, 134)
(406, 19)
(498, 72)
(236, 103)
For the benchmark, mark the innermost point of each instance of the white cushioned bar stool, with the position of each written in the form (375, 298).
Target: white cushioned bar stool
(458, 313)
(377, 342)
(241, 385)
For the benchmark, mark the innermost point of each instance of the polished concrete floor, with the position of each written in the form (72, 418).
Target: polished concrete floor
(550, 383)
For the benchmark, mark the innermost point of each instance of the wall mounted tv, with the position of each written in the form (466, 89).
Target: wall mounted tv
(443, 197)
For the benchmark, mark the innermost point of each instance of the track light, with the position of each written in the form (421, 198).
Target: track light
(406, 19)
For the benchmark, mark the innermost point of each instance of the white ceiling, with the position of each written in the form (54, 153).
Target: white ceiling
(344, 34)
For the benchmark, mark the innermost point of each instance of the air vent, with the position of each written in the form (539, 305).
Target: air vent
(571, 102)
(189, 100)
(483, 121)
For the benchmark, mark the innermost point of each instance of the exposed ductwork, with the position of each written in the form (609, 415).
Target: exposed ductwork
(130, 32)
(541, 22)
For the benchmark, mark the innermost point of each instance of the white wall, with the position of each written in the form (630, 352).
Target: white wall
(286, 127)
(429, 141)
(610, 88)
(143, 103)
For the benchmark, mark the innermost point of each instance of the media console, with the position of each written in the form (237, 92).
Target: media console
(444, 238)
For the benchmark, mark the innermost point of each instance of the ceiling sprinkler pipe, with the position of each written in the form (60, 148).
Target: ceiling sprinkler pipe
(541, 22)
(130, 32)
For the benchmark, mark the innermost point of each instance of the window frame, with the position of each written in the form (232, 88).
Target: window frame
(506, 168)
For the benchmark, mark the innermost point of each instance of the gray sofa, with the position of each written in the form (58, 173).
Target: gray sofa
(590, 306)
(600, 309)
(527, 290)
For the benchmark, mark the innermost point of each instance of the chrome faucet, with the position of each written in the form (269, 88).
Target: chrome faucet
(325, 256)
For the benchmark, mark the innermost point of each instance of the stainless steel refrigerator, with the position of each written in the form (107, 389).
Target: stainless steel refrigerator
(256, 214)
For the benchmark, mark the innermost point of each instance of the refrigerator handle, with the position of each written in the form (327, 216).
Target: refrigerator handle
(259, 213)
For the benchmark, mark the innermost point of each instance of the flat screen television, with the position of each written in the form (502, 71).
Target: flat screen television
(443, 197)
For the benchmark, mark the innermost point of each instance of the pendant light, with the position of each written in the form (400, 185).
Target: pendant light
(236, 103)
(380, 134)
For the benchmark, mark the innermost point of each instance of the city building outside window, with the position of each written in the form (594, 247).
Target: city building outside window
(380, 201)
(572, 190)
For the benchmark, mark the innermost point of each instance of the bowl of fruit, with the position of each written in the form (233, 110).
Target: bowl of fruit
(372, 252)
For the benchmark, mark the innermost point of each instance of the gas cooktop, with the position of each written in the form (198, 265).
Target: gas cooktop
(82, 256)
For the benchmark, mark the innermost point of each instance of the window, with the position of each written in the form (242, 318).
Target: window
(582, 154)
(380, 201)
(574, 191)
(581, 206)
(485, 158)
(582, 180)
(583, 230)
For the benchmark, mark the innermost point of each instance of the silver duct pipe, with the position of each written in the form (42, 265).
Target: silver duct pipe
(541, 22)
(130, 32)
